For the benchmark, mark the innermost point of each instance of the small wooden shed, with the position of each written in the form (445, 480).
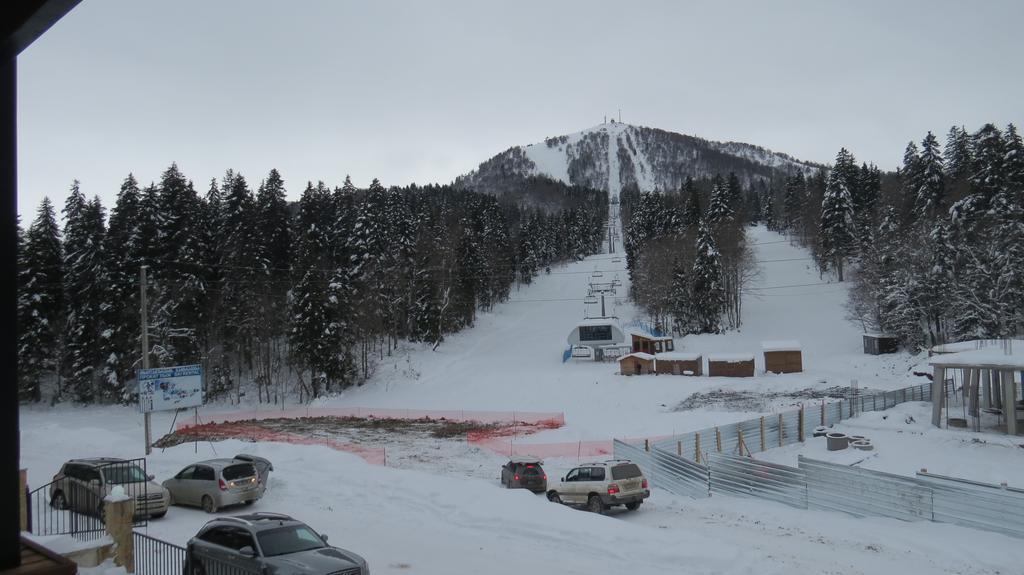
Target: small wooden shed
(879, 343)
(679, 363)
(731, 365)
(636, 364)
(782, 356)
(647, 343)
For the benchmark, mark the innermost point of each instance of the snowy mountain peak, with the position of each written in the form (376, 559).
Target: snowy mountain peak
(613, 155)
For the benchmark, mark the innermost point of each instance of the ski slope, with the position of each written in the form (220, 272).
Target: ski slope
(437, 507)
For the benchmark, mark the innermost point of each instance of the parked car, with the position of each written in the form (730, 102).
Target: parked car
(214, 484)
(82, 484)
(524, 473)
(599, 486)
(268, 543)
(263, 468)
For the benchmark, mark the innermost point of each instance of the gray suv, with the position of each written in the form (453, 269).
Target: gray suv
(269, 544)
(601, 485)
(82, 484)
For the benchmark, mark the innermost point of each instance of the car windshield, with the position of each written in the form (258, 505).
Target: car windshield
(121, 473)
(291, 539)
(531, 470)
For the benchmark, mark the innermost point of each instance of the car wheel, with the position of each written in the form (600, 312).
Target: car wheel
(250, 502)
(553, 497)
(208, 505)
(633, 506)
(59, 501)
(158, 515)
(595, 505)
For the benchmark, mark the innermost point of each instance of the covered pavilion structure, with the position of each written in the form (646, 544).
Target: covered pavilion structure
(989, 385)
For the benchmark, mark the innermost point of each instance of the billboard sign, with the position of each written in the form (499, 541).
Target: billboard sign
(166, 388)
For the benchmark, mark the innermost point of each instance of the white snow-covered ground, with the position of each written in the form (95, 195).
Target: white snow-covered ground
(438, 508)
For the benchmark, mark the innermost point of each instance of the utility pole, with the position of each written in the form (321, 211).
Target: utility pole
(620, 115)
(145, 347)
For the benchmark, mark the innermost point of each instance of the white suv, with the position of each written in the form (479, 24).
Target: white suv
(598, 486)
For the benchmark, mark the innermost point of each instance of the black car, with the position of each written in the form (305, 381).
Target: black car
(266, 543)
(524, 473)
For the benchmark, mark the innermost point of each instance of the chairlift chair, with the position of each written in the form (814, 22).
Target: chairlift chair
(590, 299)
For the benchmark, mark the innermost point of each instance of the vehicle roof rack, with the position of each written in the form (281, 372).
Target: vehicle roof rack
(236, 519)
(269, 515)
(618, 461)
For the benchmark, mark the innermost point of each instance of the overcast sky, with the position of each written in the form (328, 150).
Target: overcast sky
(425, 91)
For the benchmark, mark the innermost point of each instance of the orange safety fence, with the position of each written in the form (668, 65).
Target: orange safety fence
(548, 420)
(235, 430)
(502, 444)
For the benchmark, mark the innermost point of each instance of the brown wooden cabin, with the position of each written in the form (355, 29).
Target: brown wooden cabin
(638, 363)
(676, 363)
(782, 357)
(651, 344)
(731, 365)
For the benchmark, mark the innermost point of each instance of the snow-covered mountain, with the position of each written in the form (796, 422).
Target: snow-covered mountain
(614, 155)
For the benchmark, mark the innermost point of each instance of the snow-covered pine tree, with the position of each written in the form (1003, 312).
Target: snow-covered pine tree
(40, 302)
(707, 294)
(123, 257)
(793, 205)
(311, 332)
(930, 198)
(768, 215)
(692, 212)
(179, 288)
(720, 208)
(84, 293)
(838, 228)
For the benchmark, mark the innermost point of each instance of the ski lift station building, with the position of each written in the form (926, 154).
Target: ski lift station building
(601, 334)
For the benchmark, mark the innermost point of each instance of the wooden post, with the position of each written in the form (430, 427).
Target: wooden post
(800, 424)
(118, 516)
(647, 445)
(739, 440)
(22, 498)
(679, 448)
(762, 433)
(823, 412)
(839, 411)
(782, 430)
(718, 440)
(851, 407)
(696, 447)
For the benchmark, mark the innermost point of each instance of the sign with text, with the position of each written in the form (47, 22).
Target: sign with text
(166, 388)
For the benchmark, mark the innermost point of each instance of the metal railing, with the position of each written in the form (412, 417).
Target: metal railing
(157, 557)
(746, 477)
(73, 504)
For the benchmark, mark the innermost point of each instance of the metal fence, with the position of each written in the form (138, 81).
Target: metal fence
(666, 470)
(832, 487)
(780, 429)
(975, 504)
(863, 492)
(747, 477)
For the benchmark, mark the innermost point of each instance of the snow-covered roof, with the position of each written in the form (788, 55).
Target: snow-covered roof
(677, 356)
(1014, 344)
(599, 321)
(781, 345)
(646, 335)
(989, 357)
(731, 357)
(638, 355)
(525, 459)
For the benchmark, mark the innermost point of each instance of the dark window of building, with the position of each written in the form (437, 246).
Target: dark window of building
(595, 332)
